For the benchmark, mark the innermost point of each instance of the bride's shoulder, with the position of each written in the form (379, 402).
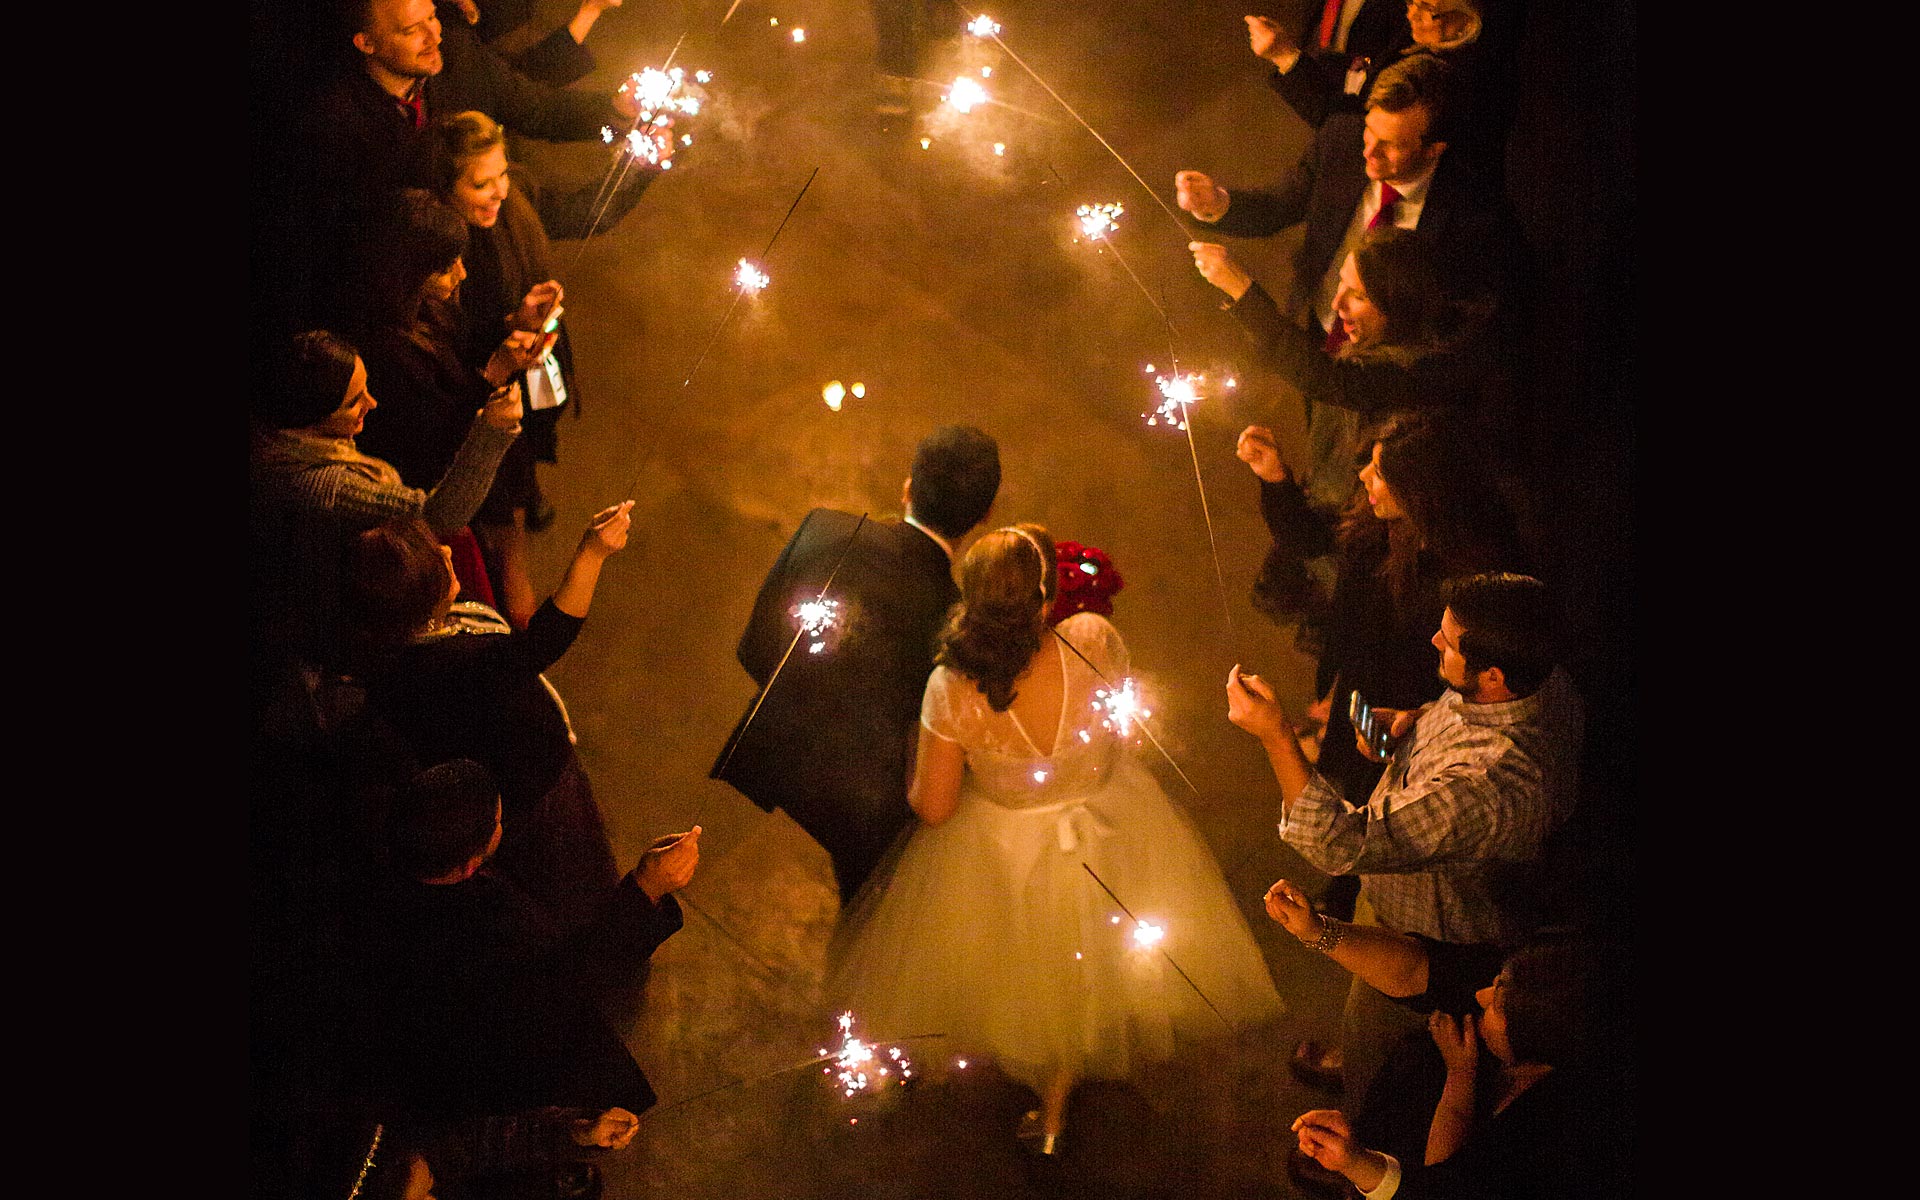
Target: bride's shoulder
(1093, 635)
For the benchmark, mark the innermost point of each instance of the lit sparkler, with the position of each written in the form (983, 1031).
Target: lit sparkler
(862, 1065)
(749, 277)
(1122, 707)
(1147, 935)
(799, 35)
(1177, 393)
(859, 391)
(983, 26)
(1098, 220)
(818, 615)
(834, 394)
(966, 94)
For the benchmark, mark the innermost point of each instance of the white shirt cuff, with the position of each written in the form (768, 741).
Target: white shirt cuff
(1389, 1182)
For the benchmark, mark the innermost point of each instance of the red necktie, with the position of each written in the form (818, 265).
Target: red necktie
(1329, 24)
(1337, 336)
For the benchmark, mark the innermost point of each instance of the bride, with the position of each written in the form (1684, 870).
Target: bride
(989, 929)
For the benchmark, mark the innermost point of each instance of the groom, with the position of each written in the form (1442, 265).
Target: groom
(833, 739)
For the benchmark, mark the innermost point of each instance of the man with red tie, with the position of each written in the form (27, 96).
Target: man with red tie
(1356, 176)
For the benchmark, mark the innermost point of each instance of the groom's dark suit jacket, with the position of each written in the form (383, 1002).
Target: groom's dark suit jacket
(832, 740)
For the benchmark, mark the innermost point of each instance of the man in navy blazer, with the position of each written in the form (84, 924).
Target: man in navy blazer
(831, 741)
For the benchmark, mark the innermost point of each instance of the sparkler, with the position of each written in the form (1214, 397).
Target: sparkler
(816, 618)
(1145, 939)
(966, 93)
(982, 26)
(751, 279)
(720, 772)
(861, 1065)
(887, 1067)
(1094, 667)
(659, 94)
(1122, 707)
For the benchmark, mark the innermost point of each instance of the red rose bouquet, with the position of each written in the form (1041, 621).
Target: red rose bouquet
(1087, 581)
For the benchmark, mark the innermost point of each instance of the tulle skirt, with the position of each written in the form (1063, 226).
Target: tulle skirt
(990, 930)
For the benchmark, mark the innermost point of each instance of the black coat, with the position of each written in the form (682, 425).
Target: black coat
(831, 743)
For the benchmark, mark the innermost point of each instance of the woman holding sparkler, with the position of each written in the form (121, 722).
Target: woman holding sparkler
(509, 287)
(456, 682)
(992, 926)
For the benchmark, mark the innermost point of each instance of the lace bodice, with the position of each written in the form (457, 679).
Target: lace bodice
(1004, 760)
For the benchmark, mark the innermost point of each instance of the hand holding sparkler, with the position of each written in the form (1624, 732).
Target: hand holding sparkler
(611, 1130)
(668, 865)
(1218, 268)
(503, 411)
(1251, 706)
(1326, 1135)
(607, 534)
(1257, 449)
(1268, 40)
(1197, 193)
(1291, 909)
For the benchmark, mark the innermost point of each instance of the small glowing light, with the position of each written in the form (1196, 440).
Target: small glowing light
(1090, 568)
(1085, 736)
(966, 94)
(703, 76)
(999, 147)
(686, 139)
(855, 1056)
(986, 72)
(1146, 934)
(1115, 920)
(817, 616)
(853, 1120)
(667, 165)
(606, 134)
(1098, 220)
(962, 1064)
(1176, 392)
(750, 278)
(925, 143)
(1149, 368)
(799, 35)
(773, 20)
(859, 391)
(983, 26)
(1039, 776)
(834, 393)
(1232, 382)
(1076, 955)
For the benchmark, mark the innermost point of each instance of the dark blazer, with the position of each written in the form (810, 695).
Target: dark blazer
(832, 740)
(1469, 221)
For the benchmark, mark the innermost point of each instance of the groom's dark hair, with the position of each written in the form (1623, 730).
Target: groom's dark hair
(956, 473)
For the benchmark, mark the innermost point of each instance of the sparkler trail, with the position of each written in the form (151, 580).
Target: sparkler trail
(1142, 724)
(720, 772)
(745, 286)
(1140, 925)
(981, 26)
(815, 1061)
(1212, 546)
(1097, 222)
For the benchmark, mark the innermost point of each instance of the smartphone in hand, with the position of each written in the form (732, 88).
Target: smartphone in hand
(1376, 733)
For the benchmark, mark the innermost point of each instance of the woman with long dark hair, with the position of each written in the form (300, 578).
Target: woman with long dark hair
(989, 927)
(1406, 337)
(407, 329)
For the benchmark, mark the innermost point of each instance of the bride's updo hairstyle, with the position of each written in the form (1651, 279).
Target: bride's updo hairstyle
(1007, 583)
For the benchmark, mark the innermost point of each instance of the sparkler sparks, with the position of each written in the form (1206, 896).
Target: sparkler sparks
(1098, 220)
(859, 391)
(818, 615)
(834, 394)
(983, 26)
(966, 94)
(1122, 707)
(799, 35)
(1147, 935)
(861, 1065)
(1177, 392)
(749, 277)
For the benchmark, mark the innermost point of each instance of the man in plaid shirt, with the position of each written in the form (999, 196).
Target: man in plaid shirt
(1475, 782)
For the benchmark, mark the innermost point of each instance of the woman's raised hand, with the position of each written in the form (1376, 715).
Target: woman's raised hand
(503, 409)
(611, 1130)
(607, 533)
(519, 351)
(1260, 452)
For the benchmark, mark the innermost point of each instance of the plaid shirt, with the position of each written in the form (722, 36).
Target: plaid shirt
(1469, 798)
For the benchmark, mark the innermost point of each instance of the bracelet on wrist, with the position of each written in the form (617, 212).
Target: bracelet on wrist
(1332, 933)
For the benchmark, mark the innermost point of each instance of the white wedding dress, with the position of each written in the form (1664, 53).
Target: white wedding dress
(989, 930)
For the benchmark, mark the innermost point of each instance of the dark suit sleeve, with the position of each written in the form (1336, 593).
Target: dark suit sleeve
(477, 76)
(625, 932)
(1265, 212)
(1314, 85)
(572, 213)
(767, 632)
(556, 59)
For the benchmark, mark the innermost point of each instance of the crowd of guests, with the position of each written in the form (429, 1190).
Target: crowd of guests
(434, 872)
